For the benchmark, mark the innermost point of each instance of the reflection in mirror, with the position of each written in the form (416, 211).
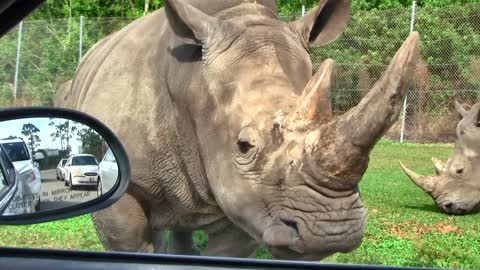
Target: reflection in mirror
(60, 163)
(3, 182)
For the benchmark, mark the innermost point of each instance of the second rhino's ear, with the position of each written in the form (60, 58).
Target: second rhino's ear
(323, 24)
(191, 24)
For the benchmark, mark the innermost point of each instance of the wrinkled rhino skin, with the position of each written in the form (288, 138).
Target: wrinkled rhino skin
(227, 130)
(456, 186)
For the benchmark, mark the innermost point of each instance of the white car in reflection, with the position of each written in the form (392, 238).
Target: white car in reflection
(108, 173)
(61, 169)
(27, 199)
(81, 170)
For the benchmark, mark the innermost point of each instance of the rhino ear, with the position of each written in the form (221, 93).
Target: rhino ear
(323, 24)
(460, 109)
(189, 23)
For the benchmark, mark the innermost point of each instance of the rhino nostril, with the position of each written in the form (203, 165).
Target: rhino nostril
(290, 224)
(448, 206)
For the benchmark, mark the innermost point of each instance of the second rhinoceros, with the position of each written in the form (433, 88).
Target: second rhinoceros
(456, 186)
(228, 131)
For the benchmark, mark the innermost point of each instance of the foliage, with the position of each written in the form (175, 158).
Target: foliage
(91, 142)
(63, 131)
(31, 132)
(450, 46)
(404, 227)
(134, 8)
(94, 8)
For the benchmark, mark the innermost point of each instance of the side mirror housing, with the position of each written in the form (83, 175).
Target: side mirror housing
(58, 199)
(38, 156)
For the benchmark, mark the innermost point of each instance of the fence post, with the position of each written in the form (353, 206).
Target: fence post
(405, 101)
(80, 42)
(17, 64)
(303, 10)
(412, 20)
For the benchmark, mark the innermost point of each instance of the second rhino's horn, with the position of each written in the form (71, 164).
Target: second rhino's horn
(337, 151)
(440, 166)
(426, 183)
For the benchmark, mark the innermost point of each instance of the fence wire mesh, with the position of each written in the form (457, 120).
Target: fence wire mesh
(448, 69)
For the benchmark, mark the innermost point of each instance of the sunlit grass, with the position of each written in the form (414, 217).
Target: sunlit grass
(404, 226)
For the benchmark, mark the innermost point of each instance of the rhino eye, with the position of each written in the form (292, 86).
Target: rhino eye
(244, 146)
(248, 139)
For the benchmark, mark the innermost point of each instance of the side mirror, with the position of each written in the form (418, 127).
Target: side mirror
(53, 198)
(38, 156)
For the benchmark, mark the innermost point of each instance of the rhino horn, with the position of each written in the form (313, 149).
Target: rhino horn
(440, 166)
(314, 107)
(426, 183)
(460, 109)
(338, 151)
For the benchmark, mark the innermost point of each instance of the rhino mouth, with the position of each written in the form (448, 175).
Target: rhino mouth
(457, 208)
(312, 222)
(451, 208)
(284, 234)
(295, 239)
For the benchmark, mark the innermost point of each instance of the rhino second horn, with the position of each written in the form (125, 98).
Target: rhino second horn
(338, 151)
(314, 107)
(460, 109)
(426, 183)
(440, 166)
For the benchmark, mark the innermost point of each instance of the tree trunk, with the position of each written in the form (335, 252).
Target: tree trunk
(147, 4)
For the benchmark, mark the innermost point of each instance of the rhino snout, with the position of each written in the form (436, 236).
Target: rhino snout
(284, 234)
(453, 208)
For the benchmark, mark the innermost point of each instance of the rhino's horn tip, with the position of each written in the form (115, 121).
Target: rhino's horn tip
(413, 175)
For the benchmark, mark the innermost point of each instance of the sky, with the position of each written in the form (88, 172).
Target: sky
(14, 128)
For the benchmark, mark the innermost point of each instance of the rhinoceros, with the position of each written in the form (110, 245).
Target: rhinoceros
(228, 130)
(456, 186)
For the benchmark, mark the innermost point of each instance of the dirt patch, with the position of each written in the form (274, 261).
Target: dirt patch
(410, 229)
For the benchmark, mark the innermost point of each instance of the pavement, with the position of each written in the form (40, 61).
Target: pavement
(55, 195)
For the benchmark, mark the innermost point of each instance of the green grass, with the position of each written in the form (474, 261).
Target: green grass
(404, 227)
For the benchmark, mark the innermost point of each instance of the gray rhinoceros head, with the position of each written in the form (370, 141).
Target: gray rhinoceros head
(456, 185)
(278, 165)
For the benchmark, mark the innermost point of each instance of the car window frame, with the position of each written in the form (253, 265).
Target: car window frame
(111, 157)
(68, 161)
(8, 171)
(6, 182)
(26, 149)
(105, 157)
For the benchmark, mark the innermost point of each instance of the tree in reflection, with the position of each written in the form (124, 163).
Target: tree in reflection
(64, 131)
(31, 132)
(92, 143)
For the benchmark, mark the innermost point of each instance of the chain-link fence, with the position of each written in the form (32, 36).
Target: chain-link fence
(36, 57)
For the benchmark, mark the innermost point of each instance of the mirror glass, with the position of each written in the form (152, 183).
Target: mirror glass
(58, 162)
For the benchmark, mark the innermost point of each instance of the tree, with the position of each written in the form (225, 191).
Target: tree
(94, 8)
(92, 143)
(31, 132)
(63, 131)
